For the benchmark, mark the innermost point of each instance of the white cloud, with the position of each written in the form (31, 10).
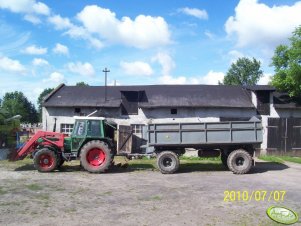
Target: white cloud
(211, 78)
(10, 65)
(25, 6)
(167, 79)
(235, 55)
(166, 62)
(265, 79)
(74, 31)
(167, 65)
(32, 18)
(60, 23)
(198, 13)
(55, 77)
(138, 68)
(258, 24)
(85, 69)
(41, 8)
(30, 8)
(142, 32)
(60, 49)
(39, 62)
(209, 34)
(34, 50)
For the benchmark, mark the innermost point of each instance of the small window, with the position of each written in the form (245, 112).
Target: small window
(137, 128)
(173, 111)
(77, 110)
(66, 129)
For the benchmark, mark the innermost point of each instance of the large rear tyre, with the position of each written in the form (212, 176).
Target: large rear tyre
(96, 156)
(239, 161)
(45, 160)
(168, 162)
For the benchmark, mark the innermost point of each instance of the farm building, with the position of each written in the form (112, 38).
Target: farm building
(137, 106)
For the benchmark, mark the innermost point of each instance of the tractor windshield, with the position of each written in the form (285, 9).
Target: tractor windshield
(79, 128)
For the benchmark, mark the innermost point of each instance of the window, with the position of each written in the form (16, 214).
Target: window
(77, 110)
(81, 128)
(137, 128)
(173, 111)
(263, 102)
(129, 102)
(94, 128)
(66, 129)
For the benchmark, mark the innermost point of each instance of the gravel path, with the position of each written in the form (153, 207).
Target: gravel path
(144, 197)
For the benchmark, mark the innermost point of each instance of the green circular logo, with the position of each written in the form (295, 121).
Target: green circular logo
(282, 215)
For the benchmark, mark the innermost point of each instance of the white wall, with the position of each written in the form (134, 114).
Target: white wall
(144, 116)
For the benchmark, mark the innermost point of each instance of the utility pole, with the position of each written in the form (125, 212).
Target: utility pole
(105, 71)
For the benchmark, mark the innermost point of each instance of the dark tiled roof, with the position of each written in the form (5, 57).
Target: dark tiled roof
(152, 96)
(284, 101)
(261, 88)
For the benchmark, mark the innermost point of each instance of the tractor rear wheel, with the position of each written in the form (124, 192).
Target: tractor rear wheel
(45, 160)
(168, 162)
(96, 156)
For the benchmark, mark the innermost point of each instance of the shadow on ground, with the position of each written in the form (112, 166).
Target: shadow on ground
(260, 167)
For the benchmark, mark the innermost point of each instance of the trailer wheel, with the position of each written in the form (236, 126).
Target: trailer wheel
(168, 162)
(224, 159)
(45, 160)
(239, 161)
(96, 156)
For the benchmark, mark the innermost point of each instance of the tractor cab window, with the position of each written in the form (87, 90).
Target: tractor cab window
(80, 128)
(94, 128)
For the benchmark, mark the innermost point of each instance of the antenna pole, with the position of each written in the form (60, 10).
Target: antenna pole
(105, 71)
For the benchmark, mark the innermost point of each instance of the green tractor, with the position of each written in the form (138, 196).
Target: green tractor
(92, 141)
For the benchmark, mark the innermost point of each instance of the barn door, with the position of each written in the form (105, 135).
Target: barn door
(125, 139)
(284, 136)
(294, 135)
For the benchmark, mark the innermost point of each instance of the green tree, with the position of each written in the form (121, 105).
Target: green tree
(243, 72)
(41, 98)
(15, 103)
(287, 63)
(81, 84)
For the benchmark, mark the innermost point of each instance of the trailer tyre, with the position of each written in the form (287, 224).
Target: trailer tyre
(45, 160)
(239, 161)
(168, 162)
(96, 156)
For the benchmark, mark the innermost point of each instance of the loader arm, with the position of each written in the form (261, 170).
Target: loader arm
(40, 138)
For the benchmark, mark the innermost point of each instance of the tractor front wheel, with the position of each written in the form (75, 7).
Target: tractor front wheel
(96, 156)
(45, 160)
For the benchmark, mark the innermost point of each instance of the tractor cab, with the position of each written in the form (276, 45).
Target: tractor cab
(89, 128)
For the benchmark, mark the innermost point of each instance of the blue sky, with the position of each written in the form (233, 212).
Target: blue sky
(45, 43)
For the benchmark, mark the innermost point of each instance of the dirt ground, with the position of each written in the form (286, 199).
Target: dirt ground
(142, 197)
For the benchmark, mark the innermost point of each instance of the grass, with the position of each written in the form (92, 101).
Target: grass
(34, 187)
(2, 192)
(187, 164)
(156, 197)
(280, 159)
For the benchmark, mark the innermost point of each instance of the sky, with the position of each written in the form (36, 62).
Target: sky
(46, 43)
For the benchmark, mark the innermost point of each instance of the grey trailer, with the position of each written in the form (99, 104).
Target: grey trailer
(235, 141)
